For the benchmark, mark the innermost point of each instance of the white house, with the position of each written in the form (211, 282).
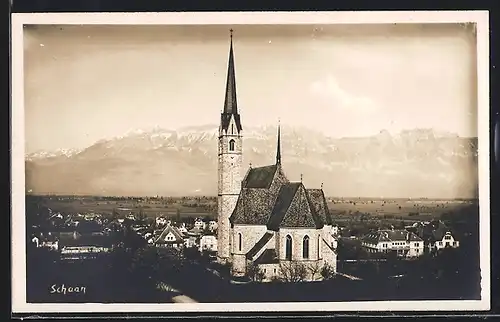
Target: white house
(212, 225)
(182, 228)
(199, 224)
(443, 240)
(208, 242)
(405, 243)
(189, 241)
(160, 221)
(170, 237)
(437, 235)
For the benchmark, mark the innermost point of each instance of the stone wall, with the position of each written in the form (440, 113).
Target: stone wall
(270, 271)
(238, 265)
(250, 235)
(226, 204)
(229, 186)
(297, 235)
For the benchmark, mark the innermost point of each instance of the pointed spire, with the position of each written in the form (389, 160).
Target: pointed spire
(301, 178)
(230, 103)
(230, 110)
(322, 185)
(278, 147)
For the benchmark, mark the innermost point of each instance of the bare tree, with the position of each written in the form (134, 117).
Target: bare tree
(293, 272)
(254, 272)
(315, 269)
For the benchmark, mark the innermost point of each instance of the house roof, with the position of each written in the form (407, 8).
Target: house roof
(170, 229)
(258, 246)
(269, 256)
(390, 236)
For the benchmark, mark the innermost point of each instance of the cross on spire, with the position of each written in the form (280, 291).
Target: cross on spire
(301, 177)
(322, 185)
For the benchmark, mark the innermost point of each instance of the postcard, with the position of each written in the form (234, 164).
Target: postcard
(250, 162)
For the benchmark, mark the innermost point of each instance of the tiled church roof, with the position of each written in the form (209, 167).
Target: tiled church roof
(318, 200)
(269, 256)
(294, 209)
(260, 177)
(258, 246)
(283, 204)
(254, 205)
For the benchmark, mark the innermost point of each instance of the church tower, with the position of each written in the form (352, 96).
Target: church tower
(230, 161)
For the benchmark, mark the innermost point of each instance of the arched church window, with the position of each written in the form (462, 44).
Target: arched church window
(231, 145)
(305, 247)
(288, 247)
(239, 241)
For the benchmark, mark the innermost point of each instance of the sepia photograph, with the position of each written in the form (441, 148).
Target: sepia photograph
(333, 161)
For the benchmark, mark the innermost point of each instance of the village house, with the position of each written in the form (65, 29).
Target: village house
(84, 246)
(196, 231)
(190, 241)
(208, 243)
(49, 240)
(199, 224)
(404, 243)
(182, 228)
(212, 225)
(170, 237)
(438, 236)
(263, 218)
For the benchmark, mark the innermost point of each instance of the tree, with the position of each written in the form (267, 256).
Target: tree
(141, 217)
(315, 269)
(293, 272)
(327, 272)
(255, 273)
(178, 215)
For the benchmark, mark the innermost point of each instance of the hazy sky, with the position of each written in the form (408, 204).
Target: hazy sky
(86, 83)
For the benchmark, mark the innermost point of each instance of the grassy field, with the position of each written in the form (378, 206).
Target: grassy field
(402, 209)
(150, 208)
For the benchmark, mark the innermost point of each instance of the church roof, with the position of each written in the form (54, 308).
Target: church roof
(258, 246)
(260, 177)
(318, 200)
(269, 256)
(253, 207)
(293, 208)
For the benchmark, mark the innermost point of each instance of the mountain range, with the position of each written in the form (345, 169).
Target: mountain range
(412, 163)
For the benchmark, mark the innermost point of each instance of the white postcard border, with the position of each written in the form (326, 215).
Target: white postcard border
(481, 18)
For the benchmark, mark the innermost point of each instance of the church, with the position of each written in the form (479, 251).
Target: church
(263, 218)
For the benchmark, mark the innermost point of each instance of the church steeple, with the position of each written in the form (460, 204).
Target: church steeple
(278, 147)
(230, 101)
